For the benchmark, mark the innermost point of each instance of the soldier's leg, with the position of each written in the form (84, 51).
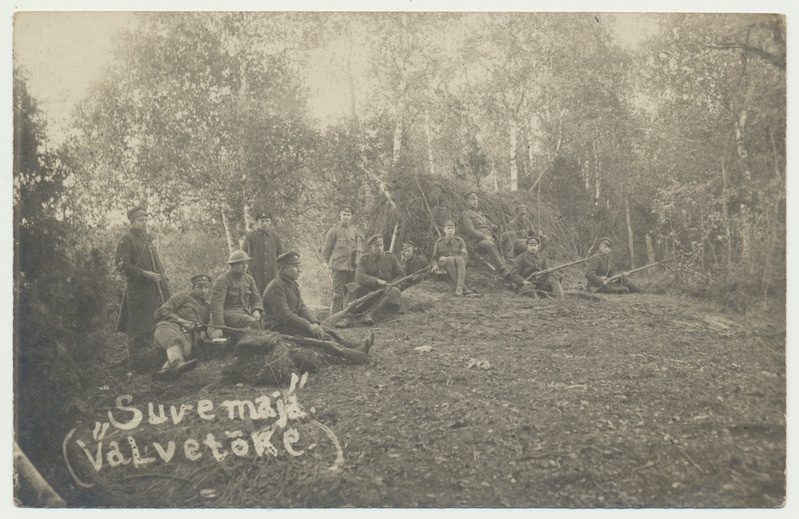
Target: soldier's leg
(339, 280)
(552, 284)
(632, 287)
(390, 301)
(613, 289)
(487, 247)
(238, 318)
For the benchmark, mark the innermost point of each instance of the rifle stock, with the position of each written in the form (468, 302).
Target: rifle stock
(336, 317)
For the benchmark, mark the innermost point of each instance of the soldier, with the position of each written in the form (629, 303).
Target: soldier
(412, 263)
(235, 301)
(264, 246)
(146, 288)
(482, 231)
(600, 269)
(528, 261)
(177, 319)
(375, 270)
(343, 245)
(285, 312)
(451, 256)
(519, 229)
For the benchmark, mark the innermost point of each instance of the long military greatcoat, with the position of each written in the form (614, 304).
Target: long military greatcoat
(135, 254)
(263, 247)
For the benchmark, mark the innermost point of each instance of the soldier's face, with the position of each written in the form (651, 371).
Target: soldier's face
(140, 223)
(345, 216)
(292, 271)
(533, 247)
(449, 231)
(201, 291)
(376, 247)
(240, 267)
(604, 248)
(472, 201)
(265, 223)
(407, 253)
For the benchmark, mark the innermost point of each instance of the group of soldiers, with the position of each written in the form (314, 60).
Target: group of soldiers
(259, 290)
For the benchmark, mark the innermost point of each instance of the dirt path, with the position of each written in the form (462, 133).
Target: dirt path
(499, 401)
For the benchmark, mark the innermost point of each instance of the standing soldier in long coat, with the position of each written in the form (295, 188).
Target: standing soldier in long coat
(146, 289)
(343, 245)
(263, 246)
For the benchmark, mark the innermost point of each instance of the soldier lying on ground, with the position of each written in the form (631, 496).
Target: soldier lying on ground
(176, 321)
(528, 261)
(375, 270)
(285, 312)
(235, 301)
(600, 270)
(451, 257)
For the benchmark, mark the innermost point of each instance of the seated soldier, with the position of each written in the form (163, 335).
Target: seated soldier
(528, 262)
(235, 301)
(519, 229)
(412, 263)
(600, 271)
(375, 270)
(482, 232)
(177, 319)
(450, 256)
(285, 312)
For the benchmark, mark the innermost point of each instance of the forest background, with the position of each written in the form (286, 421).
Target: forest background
(673, 146)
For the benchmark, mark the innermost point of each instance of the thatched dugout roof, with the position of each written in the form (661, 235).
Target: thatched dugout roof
(445, 198)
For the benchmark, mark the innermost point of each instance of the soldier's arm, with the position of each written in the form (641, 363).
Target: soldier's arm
(468, 227)
(275, 297)
(256, 302)
(517, 272)
(330, 241)
(218, 295)
(278, 246)
(591, 273)
(436, 253)
(125, 263)
(462, 249)
(362, 277)
(396, 269)
(169, 310)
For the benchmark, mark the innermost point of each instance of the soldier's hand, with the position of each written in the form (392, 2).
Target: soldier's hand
(154, 276)
(317, 330)
(257, 314)
(604, 281)
(215, 333)
(382, 282)
(527, 283)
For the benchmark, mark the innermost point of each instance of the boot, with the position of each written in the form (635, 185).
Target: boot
(368, 342)
(337, 304)
(347, 322)
(459, 291)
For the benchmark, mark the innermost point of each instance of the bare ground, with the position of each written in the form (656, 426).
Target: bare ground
(498, 401)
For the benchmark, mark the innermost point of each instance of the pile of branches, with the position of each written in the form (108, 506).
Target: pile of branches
(263, 358)
(414, 207)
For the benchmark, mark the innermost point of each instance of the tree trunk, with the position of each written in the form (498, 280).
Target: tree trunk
(743, 158)
(630, 240)
(650, 250)
(351, 77)
(597, 177)
(428, 131)
(513, 128)
(397, 134)
(231, 239)
(725, 213)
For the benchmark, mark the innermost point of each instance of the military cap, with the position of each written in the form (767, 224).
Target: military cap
(373, 239)
(288, 258)
(345, 208)
(136, 212)
(263, 216)
(238, 256)
(200, 278)
(408, 245)
(533, 239)
(606, 240)
(450, 223)
(470, 193)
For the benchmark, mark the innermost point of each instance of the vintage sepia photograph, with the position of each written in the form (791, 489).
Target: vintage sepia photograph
(410, 257)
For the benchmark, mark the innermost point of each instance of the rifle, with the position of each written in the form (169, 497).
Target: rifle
(535, 276)
(354, 356)
(616, 277)
(336, 317)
